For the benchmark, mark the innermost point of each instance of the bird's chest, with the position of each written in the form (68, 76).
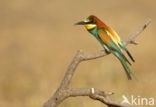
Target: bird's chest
(94, 32)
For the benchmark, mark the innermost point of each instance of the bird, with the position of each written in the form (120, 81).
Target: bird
(109, 40)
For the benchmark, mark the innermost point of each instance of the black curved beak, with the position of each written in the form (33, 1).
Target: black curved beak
(80, 23)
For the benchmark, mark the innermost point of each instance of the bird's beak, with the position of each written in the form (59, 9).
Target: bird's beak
(80, 23)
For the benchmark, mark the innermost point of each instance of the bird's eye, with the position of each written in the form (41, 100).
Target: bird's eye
(93, 21)
(90, 22)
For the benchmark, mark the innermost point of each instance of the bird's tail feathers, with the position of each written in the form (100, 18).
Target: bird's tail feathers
(124, 58)
(128, 53)
(127, 69)
(125, 65)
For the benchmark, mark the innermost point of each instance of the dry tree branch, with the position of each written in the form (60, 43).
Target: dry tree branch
(64, 91)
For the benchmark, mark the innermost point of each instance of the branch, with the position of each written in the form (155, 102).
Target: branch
(64, 91)
(94, 94)
(131, 39)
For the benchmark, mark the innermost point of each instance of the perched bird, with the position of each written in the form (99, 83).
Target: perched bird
(110, 41)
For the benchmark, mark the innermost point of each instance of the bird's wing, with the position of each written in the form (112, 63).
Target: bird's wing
(115, 37)
(108, 41)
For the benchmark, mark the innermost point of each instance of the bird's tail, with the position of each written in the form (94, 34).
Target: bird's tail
(128, 53)
(125, 65)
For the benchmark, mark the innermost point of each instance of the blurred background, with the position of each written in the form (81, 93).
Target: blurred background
(38, 41)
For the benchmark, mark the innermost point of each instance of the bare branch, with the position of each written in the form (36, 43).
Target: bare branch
(64, 91)
(131, 39)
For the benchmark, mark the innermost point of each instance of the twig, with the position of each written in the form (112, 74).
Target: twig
(131, 39)
(64, 91)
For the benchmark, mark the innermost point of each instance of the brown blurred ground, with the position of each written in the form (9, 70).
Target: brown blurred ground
(38, 41)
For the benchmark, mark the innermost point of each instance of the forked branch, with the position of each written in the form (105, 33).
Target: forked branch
(64, 91)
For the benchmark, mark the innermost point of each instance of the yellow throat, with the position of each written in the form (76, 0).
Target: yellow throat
(90, 26)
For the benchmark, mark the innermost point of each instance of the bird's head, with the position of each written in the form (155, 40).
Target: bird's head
(89, 23)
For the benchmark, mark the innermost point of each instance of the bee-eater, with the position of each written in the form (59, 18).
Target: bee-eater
(109, 39)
